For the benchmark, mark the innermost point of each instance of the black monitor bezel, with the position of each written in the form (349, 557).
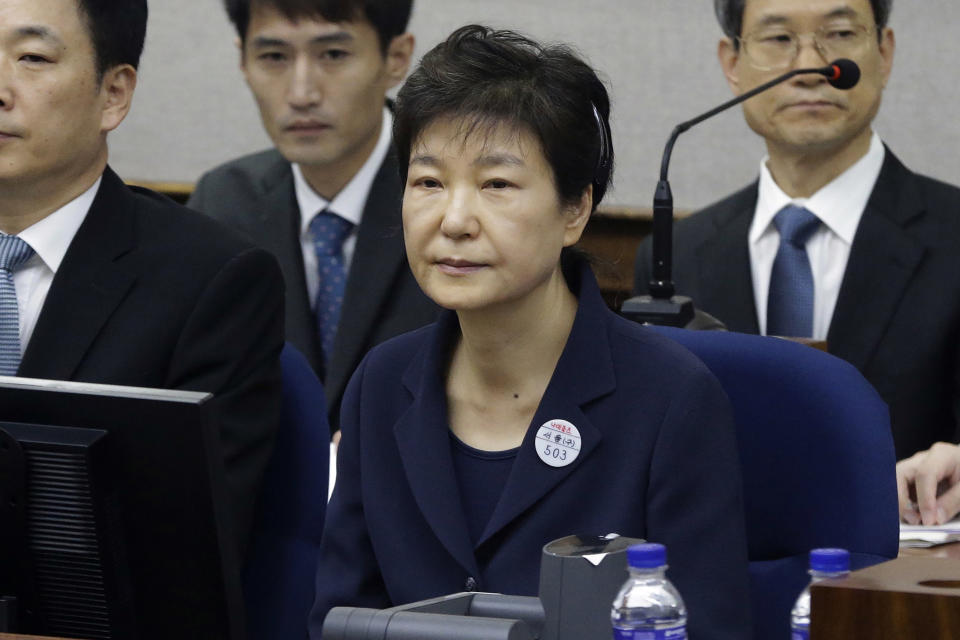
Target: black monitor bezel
(184, 566)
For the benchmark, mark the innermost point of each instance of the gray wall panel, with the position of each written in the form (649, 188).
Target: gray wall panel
(192, 110)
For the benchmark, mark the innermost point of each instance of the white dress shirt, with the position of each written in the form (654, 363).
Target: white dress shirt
(347, 204)
(839, 205)
(50, 238)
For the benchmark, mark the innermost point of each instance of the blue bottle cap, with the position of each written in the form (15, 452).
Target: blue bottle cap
(648, 555)
(830, 560)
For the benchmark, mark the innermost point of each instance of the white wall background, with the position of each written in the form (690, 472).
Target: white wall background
(192, 110)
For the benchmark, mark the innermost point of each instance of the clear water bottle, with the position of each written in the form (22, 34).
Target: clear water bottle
(824, 564)
(648, 606)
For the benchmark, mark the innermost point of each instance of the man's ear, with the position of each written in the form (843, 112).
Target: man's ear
(398, 58)
(729, 55)
(116, 90)
(888, 45)
(577, 217)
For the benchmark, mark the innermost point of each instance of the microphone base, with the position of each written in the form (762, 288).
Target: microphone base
(676, 311)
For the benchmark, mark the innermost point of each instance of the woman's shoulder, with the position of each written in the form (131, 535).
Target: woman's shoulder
(395, 354)
(381, 379)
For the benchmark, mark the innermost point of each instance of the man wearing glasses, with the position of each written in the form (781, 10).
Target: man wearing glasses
(837, 240)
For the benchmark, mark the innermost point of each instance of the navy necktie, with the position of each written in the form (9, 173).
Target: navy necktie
(329, 232)
(13, 253)
(790, 301)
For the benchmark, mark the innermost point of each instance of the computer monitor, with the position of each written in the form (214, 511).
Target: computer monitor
(113, 521)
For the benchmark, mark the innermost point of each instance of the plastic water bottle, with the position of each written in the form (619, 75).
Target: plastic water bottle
(648, 606)
(824, 564)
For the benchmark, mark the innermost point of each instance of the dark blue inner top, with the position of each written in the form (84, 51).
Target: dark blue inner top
(481, 477)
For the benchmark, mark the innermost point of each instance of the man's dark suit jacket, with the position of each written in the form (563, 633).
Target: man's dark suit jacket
(658, 460)
(255, 195)
(150, 294)
(897, 317)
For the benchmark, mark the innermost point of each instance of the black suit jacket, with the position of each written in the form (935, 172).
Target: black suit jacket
(150, 294)
(658, 460)
(255, 195)
(897, 317)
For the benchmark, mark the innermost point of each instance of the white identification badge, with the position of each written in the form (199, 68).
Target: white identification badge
(558, 443)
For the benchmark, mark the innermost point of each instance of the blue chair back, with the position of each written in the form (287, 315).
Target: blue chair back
(280, 572)
(817, 460)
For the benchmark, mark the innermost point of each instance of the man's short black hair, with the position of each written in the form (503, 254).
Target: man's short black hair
(389, 18)
(730, 14)
(495, 78)
(117, 30)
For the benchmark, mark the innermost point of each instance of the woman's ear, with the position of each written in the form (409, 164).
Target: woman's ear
(577, 215)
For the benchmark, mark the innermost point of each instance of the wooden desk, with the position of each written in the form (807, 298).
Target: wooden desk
(951, 550)
(612, 241)
(917, 595)
(14, 636)
(179, 191)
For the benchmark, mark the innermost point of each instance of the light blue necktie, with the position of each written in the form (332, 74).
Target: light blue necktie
(329, 232)
(790, 301)
(13, 253)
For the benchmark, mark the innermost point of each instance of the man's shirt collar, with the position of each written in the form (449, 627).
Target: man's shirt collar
(51, 237)
(349, 203)
(839, 204)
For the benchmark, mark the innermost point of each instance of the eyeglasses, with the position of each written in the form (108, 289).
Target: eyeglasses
(774, 48)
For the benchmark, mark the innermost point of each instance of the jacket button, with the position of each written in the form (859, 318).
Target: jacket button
(470, 584)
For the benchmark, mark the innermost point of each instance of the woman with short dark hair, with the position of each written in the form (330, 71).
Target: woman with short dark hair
(529, 411)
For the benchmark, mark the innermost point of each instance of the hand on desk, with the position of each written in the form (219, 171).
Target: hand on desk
(928, 485)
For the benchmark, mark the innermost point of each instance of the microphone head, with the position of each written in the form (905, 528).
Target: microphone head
(844, 74)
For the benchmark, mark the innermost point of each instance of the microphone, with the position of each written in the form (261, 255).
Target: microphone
(844, 74)
(662, 306)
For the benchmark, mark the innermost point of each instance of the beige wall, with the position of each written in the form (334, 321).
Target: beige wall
(192, 110)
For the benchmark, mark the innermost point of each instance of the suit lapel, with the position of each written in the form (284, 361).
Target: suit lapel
(378, 256)
(723, 261)
(278, 230)
(88, 286)
(423, 441)
(882, 262)
(584, 373)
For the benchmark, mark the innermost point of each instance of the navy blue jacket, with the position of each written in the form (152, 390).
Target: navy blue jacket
(658, 461)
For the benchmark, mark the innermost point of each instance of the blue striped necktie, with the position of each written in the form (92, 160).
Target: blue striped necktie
(790, 301)
(329, 232)
(13, 253)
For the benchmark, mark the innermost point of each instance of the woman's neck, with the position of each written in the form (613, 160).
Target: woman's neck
(503, 363)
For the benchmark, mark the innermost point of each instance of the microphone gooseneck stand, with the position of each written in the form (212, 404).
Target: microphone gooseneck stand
(662, 306)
